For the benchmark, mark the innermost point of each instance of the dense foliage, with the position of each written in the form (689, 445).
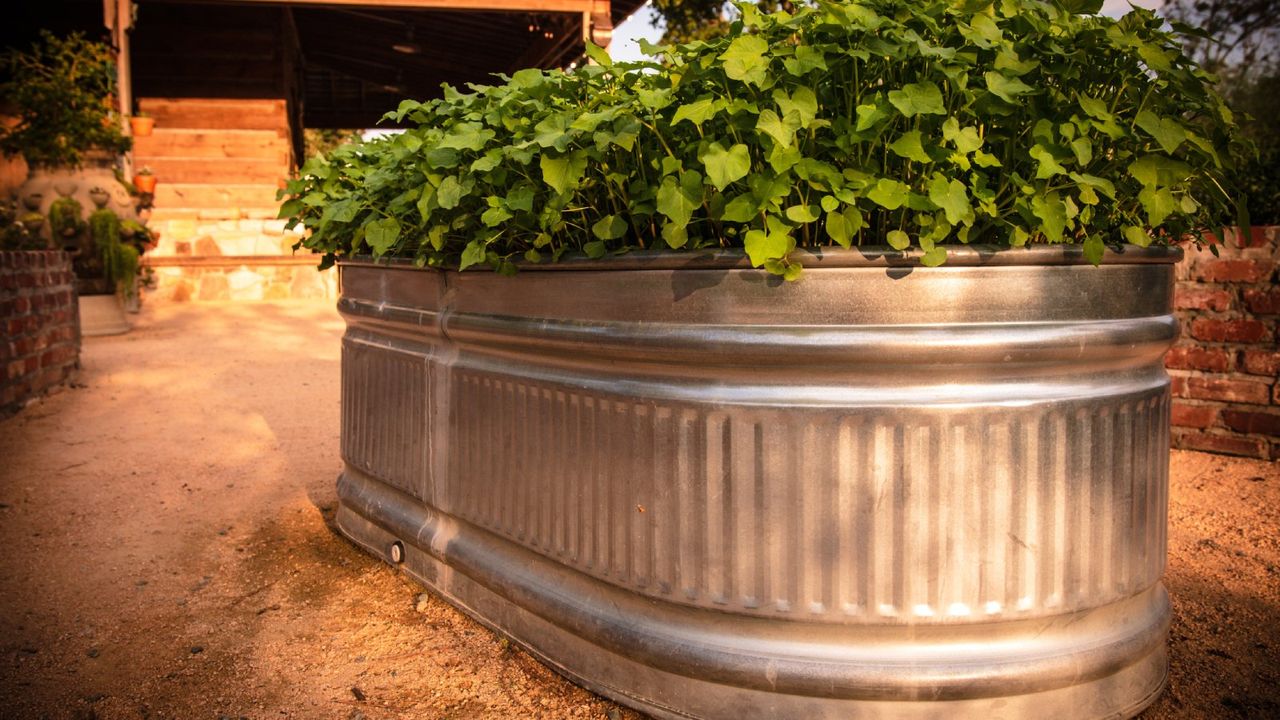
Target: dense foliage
(61, 91)
(849, 122)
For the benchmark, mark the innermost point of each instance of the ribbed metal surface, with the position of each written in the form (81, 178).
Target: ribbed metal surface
(385, 397)
(873, 516)
(975, 447)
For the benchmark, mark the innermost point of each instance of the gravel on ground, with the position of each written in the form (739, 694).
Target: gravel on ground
(168, 552)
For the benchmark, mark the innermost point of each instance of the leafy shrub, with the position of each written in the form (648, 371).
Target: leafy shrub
(61, 90)
(850, 122)
(120, 263)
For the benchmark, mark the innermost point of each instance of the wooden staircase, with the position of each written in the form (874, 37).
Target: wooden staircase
(214, 158)
(218, 164)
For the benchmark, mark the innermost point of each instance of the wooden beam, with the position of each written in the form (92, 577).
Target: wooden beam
(118, 17)
(530, 6)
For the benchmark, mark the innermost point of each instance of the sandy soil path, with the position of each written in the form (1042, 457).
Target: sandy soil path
(167, 553)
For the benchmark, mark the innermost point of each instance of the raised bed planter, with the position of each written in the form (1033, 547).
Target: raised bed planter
(881, 491)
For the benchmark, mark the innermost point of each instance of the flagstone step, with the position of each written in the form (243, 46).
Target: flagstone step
(227, 196)
(213, 213)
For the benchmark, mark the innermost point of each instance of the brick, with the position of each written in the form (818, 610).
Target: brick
(1231, 445)
(1228, 270)
(1261, 362)
(56, 356)
(1248, 421)
(1263, 302)
(1178, 386)
(1196, 416)
(1259, 237)
(1211, 330)
(1189, 357)
(1203, 388)
(1194, 298)
(49, 378)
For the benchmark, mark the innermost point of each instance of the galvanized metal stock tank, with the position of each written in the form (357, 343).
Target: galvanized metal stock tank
(883, 491)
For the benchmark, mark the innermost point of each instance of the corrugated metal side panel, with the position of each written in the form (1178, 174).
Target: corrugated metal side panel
(385, 397)
(839, 516)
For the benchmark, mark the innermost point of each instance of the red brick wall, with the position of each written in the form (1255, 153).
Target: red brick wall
(41, 322)
(1225, 365)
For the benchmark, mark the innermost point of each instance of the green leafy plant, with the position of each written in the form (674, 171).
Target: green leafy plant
(120, 263)
(853, 122)
(61, 92)
(66, 218)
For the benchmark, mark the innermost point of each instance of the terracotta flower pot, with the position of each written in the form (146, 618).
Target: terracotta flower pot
(142, 126)
(145, 183)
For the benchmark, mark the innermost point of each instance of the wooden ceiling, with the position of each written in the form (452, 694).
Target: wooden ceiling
(355, 59)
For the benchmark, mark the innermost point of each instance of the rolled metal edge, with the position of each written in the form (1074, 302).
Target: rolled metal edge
(896, 663)
(866, 256)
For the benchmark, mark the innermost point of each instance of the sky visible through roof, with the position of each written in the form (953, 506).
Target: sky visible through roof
(625, 44)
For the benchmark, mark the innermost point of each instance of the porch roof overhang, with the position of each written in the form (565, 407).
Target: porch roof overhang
(359, 58)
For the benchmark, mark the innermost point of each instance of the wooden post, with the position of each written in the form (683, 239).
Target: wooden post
(117, 16)
(601, 23)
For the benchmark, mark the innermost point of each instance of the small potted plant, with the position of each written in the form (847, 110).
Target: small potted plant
(100, 196)
(33, 222)
(66, 219)
(145, 181)
(821, 371)
(141, 124)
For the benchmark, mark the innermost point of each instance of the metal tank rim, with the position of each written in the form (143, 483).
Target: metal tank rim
(869, 256)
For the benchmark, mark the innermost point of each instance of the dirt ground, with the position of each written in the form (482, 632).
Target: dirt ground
(168, 553)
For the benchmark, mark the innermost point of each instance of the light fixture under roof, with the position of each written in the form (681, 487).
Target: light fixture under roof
(408, 46)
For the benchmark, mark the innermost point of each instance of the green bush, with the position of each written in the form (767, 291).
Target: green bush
(853, 122)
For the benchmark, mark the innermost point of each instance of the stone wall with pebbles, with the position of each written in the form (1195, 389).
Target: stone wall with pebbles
(1226, 363)
(246, 257)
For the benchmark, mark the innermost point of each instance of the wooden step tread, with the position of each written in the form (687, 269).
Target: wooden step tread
(237, 171)
(228, 143)
(211, 113)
